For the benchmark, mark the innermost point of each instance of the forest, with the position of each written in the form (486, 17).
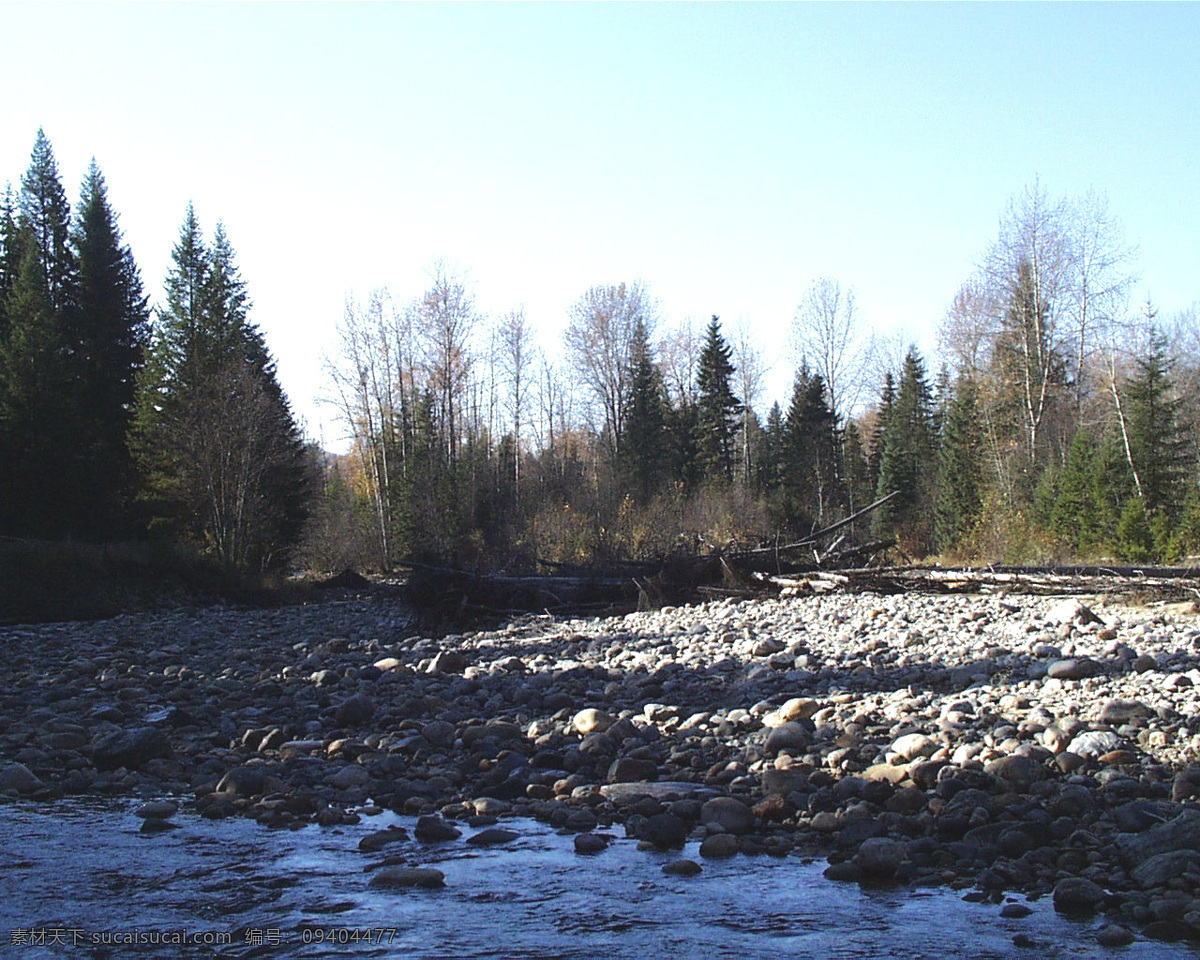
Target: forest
(1058, 422)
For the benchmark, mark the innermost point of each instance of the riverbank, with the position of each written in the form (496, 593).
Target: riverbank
(997, 744)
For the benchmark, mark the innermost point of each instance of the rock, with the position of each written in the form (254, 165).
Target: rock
(355, 712)
(662, 790)
(788, 736)
(1072, 610)
(1021, 772)
(132, 748)
(157, 810)
(1114, 935)
(1077, 895)
(18, 778)
(351, 775)
(591, 720)
(589, 843)
(1094, 743)
(244, 782)
(439, 733)
(782, 782)
(913, 746)
(374, 842)
(632, 770)
(718, 846)
(492, 836)
(731, 814)
(1073, 668)
(1162, 868)
(797, 708)
(682, 868)
(395, 878)
(879, 858)
(1015, 911)
(449, 661)
(1117, 712)
(664, 831)
(432, 829)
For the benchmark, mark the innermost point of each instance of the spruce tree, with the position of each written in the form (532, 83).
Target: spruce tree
(643, 448)
(907, 465)
(1158, 446)
(46, 216)
(960, 467)
(110, 334)
(810, 466)
(717, 408)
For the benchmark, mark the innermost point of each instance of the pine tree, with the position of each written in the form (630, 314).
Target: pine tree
(960, 468)
(111, 332)
(717, 406)
(10, 254)
(887, 400)
(222, 459)
(643, 448)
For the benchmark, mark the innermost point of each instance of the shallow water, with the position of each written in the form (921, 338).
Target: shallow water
(85, 876)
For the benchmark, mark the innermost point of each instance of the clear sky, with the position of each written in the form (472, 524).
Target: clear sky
(725, 154)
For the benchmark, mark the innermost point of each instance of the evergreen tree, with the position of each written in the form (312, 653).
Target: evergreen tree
(1158, 446)
(717, 408)
(111, 332)
(960, 468)
(45, 215)
(907, 463)
(221, 456)
(10, 254)
(810, 453)
(643, 447)
(887, 400)
(43, 489)
(860, 488)
(771, 463)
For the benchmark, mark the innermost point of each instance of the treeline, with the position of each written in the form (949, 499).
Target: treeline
(119, 422)
(1060, 422)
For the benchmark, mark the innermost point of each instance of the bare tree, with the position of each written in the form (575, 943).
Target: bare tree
(444, 319)
(518, 352)
(827, 333)
(1100, 277)
(679, 351)
(967, 330)
(1028, 269)
(599, 339)
(750, 368)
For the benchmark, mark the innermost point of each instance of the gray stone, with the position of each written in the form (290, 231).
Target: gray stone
(1077, 895)
(396, 878)
(492, 836)
(1162, 868)
(1118, 712)
(157, 810)
(244, 782)
(682, 868)
(664, 831)
(632, 770)
(782, 782)
(432, 829)
(879, 858)
(355, 711)
(132, 748)
(730, 813)
(18, 778)
(788, 736)
(1020, 772)
(449, 661)
(1072, 610)
(1094, 743)
(1114, 935)
(591, 720)
(589, 843)
(718, 846)
(1073, 668)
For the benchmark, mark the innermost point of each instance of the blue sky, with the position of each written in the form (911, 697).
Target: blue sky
(725, 154)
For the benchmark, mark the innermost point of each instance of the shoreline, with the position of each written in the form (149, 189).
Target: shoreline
(1019, 744)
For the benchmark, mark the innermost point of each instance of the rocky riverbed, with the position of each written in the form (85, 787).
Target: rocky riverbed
(996, 745)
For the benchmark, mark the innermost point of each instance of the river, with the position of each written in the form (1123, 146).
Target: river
(82, 880)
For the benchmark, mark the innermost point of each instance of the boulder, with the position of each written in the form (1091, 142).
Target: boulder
(132, 748)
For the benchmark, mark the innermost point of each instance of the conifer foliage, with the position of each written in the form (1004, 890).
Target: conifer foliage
(222, 461)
